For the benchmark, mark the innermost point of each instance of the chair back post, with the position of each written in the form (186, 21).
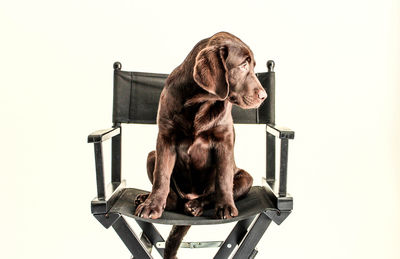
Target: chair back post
(116, 158)
(270, 119)
(116, 142)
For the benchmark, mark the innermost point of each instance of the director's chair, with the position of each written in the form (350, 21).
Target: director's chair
(136, 97)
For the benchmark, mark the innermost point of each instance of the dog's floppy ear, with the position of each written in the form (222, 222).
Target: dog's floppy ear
(210, 71)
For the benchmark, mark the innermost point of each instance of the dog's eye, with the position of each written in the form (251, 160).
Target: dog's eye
(244, 65)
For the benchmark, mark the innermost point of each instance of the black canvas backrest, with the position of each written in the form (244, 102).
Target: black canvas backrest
(136, 96)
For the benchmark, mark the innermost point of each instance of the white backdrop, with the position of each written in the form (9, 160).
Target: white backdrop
(337, 73)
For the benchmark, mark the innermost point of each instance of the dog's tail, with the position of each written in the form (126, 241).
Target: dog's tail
(174, 240)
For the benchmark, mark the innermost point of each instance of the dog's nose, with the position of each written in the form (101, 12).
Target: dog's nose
(262, 95)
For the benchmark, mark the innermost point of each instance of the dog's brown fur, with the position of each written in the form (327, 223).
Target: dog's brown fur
(193, 165)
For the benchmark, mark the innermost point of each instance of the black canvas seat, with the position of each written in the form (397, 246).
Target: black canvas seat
(136, 96)
(254, 203)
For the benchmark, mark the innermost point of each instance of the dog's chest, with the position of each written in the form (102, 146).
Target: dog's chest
(199, 153)
(197, 126)
(194, 154)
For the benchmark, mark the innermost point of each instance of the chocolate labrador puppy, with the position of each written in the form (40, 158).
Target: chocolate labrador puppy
(193, 166)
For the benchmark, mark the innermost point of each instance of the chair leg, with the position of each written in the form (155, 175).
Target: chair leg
(132, 242)
(235, 237)
(152, 235)
(240, 235)
(253, 254)
(146, 242)
(252, 238)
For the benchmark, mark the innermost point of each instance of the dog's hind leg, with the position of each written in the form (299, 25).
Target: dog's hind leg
(242, 182)
(174, 240)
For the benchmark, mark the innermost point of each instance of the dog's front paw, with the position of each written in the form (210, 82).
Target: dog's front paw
(140, 198)
(226, 211)
(194, 208)
(151, 208)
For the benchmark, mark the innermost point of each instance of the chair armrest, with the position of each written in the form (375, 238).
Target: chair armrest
(102, 135)
(97, 139)
(280, 132)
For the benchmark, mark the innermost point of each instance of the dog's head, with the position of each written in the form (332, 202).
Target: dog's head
(225, 68)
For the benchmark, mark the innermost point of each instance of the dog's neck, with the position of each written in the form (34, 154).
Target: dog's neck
(211, 112)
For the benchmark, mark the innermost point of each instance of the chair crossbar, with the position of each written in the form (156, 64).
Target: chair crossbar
(193, 245)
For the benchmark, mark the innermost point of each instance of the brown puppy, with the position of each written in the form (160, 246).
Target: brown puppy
(194, 151)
